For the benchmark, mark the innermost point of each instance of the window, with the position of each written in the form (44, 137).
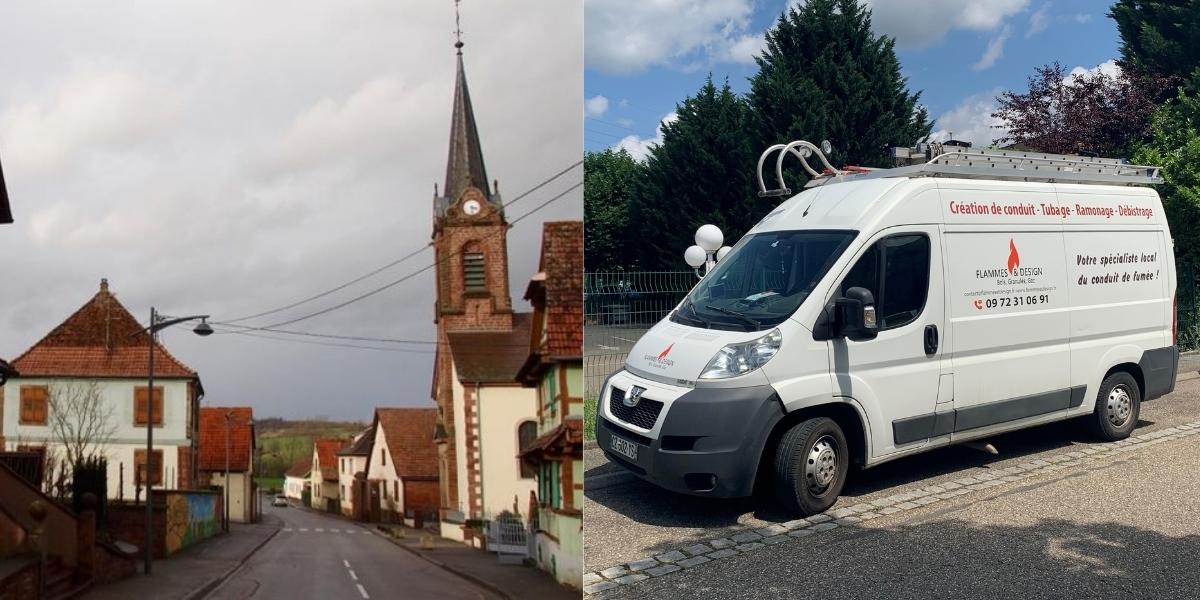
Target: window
(139, 462)
(139, 405)
(526, 434)
(396, 490)
(34, 399)
(382, 457)
(474, 273)
(896, 271)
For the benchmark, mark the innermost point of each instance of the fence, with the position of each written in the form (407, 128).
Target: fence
(618, 307)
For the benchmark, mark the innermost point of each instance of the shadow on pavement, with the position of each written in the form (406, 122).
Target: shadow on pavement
(1053, 558)
(649, 504)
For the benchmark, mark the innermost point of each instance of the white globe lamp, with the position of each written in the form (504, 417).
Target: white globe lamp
(709, 238)
(695, 256)
(722, 252)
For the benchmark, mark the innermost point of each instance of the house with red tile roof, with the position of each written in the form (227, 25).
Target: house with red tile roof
(554, 366)
(227, 443)
(402, 465)
(95, 362)
(323, 477)
(352, 461)
(296, 479)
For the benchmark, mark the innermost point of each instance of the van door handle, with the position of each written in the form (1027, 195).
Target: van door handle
(931, 340)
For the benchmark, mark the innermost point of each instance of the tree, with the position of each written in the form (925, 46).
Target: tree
(1175, 146)
(1158, 39)
(825, 76)
(1080, 113)
(609, 178)
(81, 422)
(702, 172)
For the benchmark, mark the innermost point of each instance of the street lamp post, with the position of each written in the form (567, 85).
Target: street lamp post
(157, 323)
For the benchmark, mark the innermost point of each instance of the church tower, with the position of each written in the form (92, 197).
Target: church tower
(470, 231)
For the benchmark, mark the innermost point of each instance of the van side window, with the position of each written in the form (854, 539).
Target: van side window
(896, 271)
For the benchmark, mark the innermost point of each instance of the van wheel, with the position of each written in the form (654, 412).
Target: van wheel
(1118, 405)
(811, 462)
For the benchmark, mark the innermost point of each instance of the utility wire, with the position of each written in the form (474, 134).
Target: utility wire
(336, 344)
(408, 276)
(397, 261)
(354, 338)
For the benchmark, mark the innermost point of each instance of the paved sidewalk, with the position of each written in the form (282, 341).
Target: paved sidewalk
(1119, 522)
(194, 571)
(511, 580)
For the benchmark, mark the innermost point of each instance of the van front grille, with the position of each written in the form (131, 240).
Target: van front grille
(644, 415)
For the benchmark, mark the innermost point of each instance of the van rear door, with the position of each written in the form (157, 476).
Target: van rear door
(895, 377)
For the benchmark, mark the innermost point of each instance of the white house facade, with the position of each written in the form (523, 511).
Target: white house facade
(93, 367)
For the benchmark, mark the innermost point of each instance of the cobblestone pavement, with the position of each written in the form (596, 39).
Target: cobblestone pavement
(645, 541)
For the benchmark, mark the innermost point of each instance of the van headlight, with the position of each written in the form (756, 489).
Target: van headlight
(739, 359)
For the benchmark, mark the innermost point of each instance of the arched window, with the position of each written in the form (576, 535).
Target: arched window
(474, 271)
(526, 434)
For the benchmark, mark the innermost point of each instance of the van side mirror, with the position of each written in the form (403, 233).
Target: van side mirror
(855, 315)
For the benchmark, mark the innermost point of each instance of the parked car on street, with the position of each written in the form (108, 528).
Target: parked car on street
(280, 500)
(883, 313)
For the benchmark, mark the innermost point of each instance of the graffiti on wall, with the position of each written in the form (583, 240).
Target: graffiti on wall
(191, 517)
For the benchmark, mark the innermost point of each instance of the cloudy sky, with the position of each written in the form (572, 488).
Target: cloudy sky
(645, 56)
(230, 158)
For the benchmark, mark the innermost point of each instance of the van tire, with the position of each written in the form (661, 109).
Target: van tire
(1118, 405)
(811, 462)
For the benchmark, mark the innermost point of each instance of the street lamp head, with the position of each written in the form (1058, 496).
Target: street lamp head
(203, 328)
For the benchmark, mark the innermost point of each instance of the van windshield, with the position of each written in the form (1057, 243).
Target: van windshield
(762, 280)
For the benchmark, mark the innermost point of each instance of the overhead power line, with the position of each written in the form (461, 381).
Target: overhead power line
(404, 278)
(389, 265)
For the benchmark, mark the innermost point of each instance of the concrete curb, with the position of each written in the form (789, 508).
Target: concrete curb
(469, 577)
(215, 583)
(590, 445)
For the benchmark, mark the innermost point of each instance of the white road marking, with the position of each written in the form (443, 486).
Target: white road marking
(333, 531)
(287, 528)
(352, 575)
(625, 340)
(346, 562)
(319, 529)
(362, 591)
(349, 531)
(603, 347)
(303, 529)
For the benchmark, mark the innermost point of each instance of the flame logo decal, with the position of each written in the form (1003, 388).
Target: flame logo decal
(666, 352)
(1014, 259)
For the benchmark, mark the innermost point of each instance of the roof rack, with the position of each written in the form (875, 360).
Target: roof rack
(942, 160)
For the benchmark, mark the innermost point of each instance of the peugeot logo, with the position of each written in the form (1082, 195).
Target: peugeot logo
(634, 396)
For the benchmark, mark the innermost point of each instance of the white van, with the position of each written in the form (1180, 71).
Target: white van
(884, 313)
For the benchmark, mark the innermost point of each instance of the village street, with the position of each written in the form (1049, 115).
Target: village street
(320, 556)
(1054, 505)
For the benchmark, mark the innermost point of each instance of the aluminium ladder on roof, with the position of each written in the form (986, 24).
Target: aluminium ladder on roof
(960, 162)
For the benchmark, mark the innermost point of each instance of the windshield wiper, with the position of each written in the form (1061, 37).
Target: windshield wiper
(696, 316)
(734, 313)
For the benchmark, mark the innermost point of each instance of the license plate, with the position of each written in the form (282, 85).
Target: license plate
(625, 448)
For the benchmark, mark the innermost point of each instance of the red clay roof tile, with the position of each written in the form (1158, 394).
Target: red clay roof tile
(327, 457)
(101, 339)
(409, 436)
(212, 438)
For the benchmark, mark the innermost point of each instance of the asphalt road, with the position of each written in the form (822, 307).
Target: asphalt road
(319, 556)
(628, 519)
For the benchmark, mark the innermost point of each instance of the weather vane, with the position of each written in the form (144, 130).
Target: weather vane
(457, 29)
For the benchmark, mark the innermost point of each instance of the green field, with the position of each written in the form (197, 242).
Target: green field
(269, 483)
(589, 419)
(284, 443)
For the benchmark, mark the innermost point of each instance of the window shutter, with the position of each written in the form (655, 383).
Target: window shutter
(474, 273)
(33, 404)
(140, 415)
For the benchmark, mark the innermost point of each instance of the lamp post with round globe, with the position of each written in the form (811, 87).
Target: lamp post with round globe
(708, 249)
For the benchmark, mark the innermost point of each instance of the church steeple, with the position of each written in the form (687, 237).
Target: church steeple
(464, 165)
